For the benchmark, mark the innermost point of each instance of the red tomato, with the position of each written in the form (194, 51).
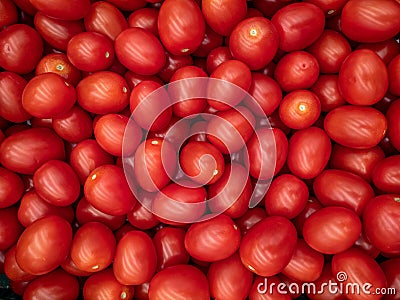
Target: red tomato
(330, 7)
(341, 188)
(32, 207)
(355, 126)
(91, 51)
(363, 78)
(330, 50)
(140, 216)
(229, 279)
(223, 16)
(24, 152)
(386, 50)
(254, 41)
(362, 24)
(57, 32)
(103, 92)
(287, 196)
(306, 263)
(106, 19)
(311, 207)
(268, 246)
(140, 51)
(128, 5)
(107, 190)
(182, 281)
(297, 70)
(379, 222)
(212, 240)
(64, 10)
(313, 144)
(10, 228)
(173, 63)
(104, 285)
(216, 57)
(57, 285)
(145, 18)
(359, 268)
(93, 247)
(151, 168)
(170, 247)
(9, 14)
(392, 117)
(11, 88)
(181, 26)
(326, 88)
(299, 25)
(21, 48)
(394, 76)
(210, 41)
(332, 229)
(326, 293)
(11, 268)
(11, 188)
(386, 175)
(391, 269)
(44, 245)
(135, 260)
(251, 217)
(266, 288)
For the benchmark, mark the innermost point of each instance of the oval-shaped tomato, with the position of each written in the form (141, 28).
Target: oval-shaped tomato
(182, 281)
(9, 14)
(357, 127)
(10, 228)
(386, 50)
(104, 285)
(212, 240)
(358, 269)
(254, 41)
(392, 117)
(370, 21)
(11, 188)
(251, 217)
(24, 152)
(330, 7)
(44, 245)
(380, 225)
(363, 78)
(135, 259)
(64, 10)
(11, 268)
(145, 18)
(309, 152)
(341, 188)
(107, 190)
(386, 175)
(327, 90)
(21, 48)
(268, 246)
(93, 247)
(229, 279)
(181, 26)
(140, 216)
(216, 57)
(332, 229)
(299, 25)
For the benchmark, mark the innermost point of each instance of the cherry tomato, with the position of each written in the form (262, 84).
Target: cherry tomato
(145, 18)
(326, 88)
(357, 127)
(9, 14)
(135, 259)
(107, 190)
(71, 10)
(332, 229)
(386, 175)
(210, 41)
(251, 217)
(216, 57)
(391, 269)
(140, 216)
(24, 152)
(268, 246)
(330, 7)
(11, 268)
(392, 117)
(254, 41)
(386, 50)
(44, 245)
(10, 228)
(181, 26)
(11, 188)
(325, 293)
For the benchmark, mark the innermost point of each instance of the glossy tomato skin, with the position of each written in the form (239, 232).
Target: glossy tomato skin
(11, 268)
(216, 57)
(10, 228)
(298, 33)
(145, 18)
(128, 5)
(212, 240)
(140, 216)
(58, 285)
(330, 7)
(332, 229)
(364, 85)
(103, 92)
(103, 284)
(341, 188)
(210, 41)
(327, 90)
(229, 279)
(24, 152)
(135, 259)
(254, 41)
(251, 217)
(277, 237)
(71, 10)
(359, 268)
(361, 24)
(9, 13)
(394, 75)
(313, 143)
(386, 175)
(11, 188)
(57, 32)
(181, 26)
(173, 63)
(140, 51)
(357, 127)
(107, 190)
(391, 269)
(44, 245)
(223, 16)
(392, 117)
(386, 50)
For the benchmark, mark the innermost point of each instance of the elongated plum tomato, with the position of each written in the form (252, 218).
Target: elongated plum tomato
(71, 10)
(181, 26)
(386, 175)
(268, 246)
(44, 245)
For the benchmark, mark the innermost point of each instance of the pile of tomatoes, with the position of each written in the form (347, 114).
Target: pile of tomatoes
(89, 161)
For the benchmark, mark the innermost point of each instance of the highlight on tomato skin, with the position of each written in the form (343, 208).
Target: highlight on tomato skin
(200, 149)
